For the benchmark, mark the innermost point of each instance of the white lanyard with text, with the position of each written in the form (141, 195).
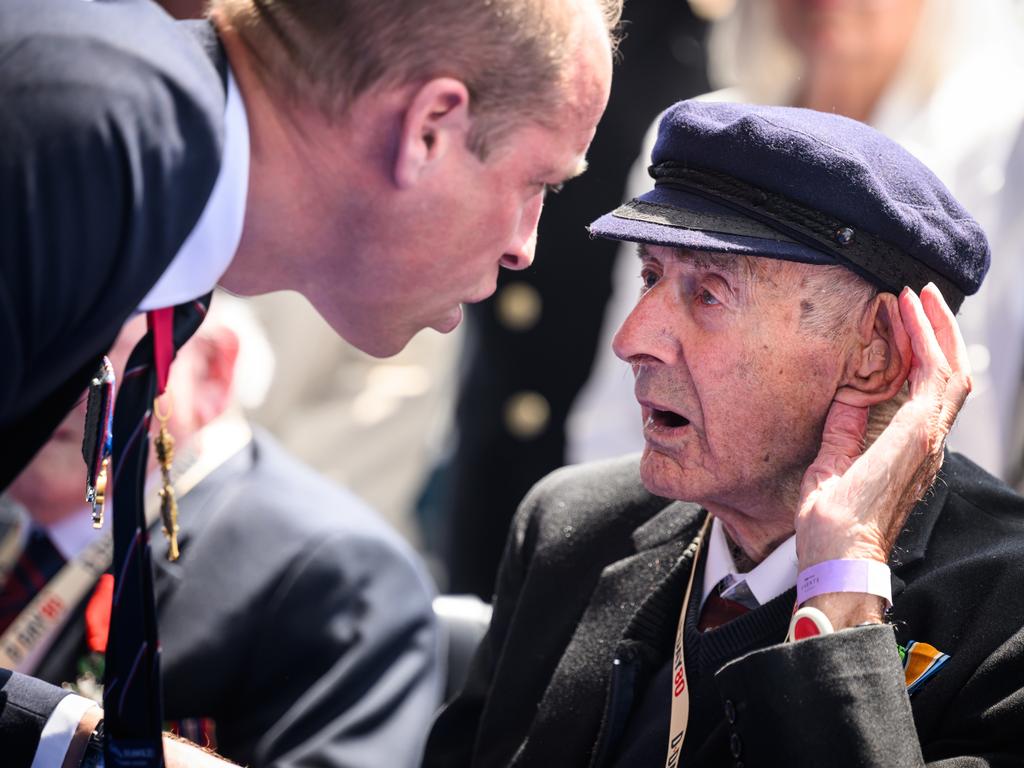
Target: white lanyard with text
(680, 691)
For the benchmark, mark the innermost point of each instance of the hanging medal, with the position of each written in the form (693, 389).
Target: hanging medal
(98, 440)
(164, 445)
(161, 326)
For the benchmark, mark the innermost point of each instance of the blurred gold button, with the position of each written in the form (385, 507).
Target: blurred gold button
(519, 306)
(527, 414)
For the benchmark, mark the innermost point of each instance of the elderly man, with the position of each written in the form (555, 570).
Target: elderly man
(828, 588)
(384, 158)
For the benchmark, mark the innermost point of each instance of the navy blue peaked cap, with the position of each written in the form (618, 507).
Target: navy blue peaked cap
(804, 186)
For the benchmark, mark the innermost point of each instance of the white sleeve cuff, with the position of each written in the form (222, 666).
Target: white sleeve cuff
(60, 729)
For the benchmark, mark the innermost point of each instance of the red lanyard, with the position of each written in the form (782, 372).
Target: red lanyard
(161, 326)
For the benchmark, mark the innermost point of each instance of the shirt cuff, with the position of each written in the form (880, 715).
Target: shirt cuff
(60, 729)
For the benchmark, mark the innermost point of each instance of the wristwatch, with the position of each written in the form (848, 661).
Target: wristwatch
(93, 757)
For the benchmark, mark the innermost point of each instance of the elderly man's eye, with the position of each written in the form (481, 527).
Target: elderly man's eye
(649, 278)
(706, 297)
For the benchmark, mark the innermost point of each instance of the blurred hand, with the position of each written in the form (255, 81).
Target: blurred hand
(179, 753)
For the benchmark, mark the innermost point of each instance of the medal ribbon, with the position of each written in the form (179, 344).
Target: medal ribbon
(680, 690)
(161, 326)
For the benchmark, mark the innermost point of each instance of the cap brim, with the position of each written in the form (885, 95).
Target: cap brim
(674, 218)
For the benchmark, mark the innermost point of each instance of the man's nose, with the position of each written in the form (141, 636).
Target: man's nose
(645, 336)
(520, 252)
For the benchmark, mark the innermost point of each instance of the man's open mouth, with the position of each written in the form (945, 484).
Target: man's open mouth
(666, 419)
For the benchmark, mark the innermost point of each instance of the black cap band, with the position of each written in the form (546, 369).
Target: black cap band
(877, 261)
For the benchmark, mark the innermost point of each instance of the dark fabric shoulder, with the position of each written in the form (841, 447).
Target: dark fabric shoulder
(593, 482)
(578, 505)
(109, 147)
(1001, 505)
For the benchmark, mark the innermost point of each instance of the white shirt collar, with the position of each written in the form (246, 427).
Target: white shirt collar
(207, 251)
(769, 578)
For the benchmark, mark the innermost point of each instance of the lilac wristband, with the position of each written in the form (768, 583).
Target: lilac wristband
(867, 576)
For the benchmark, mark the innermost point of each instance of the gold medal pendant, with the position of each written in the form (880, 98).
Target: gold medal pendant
(164, 445)
(99, 496)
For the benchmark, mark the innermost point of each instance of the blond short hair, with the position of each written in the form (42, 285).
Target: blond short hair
(511, 54)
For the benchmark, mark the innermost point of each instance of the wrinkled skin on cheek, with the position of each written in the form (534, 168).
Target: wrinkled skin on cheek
(756, 399)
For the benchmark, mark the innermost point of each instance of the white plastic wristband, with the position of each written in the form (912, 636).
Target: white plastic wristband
(866, 576)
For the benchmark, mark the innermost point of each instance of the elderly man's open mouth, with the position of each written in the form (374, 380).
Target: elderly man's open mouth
(660, 418)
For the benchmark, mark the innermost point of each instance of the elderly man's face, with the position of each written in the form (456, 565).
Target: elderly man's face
(733, 390)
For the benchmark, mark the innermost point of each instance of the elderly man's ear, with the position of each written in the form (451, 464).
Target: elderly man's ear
(436, 120)
(879, 361)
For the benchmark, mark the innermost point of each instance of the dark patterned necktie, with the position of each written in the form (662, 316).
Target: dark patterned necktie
(720, 610)
(38, 563)
(132, 697)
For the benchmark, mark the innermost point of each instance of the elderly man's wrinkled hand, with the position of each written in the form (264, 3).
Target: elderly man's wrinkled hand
(854, 502)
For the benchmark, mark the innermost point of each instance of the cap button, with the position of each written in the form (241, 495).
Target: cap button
(844, 235)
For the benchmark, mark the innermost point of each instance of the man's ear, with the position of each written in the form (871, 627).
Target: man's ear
(435, 119)
(880, 361)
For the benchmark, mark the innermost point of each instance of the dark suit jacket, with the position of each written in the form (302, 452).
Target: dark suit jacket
(295, 618)
(110, 142)
(586, 608)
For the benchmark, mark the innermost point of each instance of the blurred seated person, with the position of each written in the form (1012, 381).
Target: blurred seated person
(794, 572)
(296, 627)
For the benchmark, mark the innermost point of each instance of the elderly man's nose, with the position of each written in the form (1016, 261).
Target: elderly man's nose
(643, 336)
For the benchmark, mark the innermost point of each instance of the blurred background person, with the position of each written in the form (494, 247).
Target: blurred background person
(528, 348)
(939, 76)
(375, 426)
(296, 626)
